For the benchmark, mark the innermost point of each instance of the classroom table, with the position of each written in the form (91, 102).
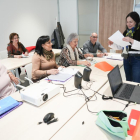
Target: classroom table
(15, 63)
(82, 125)
(99, 72)
(22, 123)
(110, 61)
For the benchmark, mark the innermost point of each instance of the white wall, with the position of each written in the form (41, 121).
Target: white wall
(29, 18)
(88, 19)
(68, 16)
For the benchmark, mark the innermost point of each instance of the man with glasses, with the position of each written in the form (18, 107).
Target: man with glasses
(91, 46)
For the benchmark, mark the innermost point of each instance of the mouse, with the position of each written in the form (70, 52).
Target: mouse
(48, 117)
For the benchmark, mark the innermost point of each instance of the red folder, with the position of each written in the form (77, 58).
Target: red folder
(104, 66)
(136, 134)
(132, 121)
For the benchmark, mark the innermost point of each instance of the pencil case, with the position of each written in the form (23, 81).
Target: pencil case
(115, 122)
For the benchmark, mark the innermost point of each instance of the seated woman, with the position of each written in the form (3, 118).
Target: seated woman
(6, 85)
(70, 54)
(15, 48)
(43, 61)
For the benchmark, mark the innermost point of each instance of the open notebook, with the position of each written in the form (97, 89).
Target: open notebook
(71, 71)
(60, 77)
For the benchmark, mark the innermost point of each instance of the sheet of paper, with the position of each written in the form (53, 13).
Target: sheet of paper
(70, 71)
(23, 56)
(117, 39)
(93, 62)
(115, 57)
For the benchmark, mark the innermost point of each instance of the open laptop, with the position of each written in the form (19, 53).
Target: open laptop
(120, 90)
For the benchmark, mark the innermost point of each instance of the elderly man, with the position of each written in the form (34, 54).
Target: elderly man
(91, 46)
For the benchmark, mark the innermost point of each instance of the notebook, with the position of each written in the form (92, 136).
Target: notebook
(60, 77)
(120, 90)
(7, 103)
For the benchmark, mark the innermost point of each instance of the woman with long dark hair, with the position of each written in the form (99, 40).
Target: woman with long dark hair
(131, 59)
(43, 61)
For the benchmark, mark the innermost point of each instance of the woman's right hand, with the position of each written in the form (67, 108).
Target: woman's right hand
(52, 71)
(86, 63)
(13, 78)
(110, 42)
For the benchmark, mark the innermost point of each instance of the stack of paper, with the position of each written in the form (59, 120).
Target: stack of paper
(115, 57)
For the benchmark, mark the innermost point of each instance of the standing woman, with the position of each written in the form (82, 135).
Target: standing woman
(43, 61)
(131, 59)
(15, 48)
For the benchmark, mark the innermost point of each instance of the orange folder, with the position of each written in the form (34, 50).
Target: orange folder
(104, 66)
(136, 134)
(132, 121)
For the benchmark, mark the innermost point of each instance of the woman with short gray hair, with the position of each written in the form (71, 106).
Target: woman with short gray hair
(70, 54)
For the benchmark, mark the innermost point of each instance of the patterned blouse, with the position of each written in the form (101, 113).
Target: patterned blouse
(65, 58)
(12, 50)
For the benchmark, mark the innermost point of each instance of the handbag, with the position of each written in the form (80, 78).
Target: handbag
(115, 122)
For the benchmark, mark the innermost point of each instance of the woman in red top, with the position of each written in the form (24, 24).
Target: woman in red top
(15, 48)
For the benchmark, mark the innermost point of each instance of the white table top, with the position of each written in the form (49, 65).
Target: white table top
(110, 61)
(13, 63)
(21, 124)
(75, 130)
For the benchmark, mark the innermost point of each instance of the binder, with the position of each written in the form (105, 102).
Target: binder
(7, 103)
(132, 121)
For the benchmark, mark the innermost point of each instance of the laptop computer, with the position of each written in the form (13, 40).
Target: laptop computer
(120, 90)
(7, 103)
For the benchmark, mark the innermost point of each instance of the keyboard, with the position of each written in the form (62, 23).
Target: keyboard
(127, 91)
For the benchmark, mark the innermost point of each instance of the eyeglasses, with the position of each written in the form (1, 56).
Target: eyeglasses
(94, 36)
